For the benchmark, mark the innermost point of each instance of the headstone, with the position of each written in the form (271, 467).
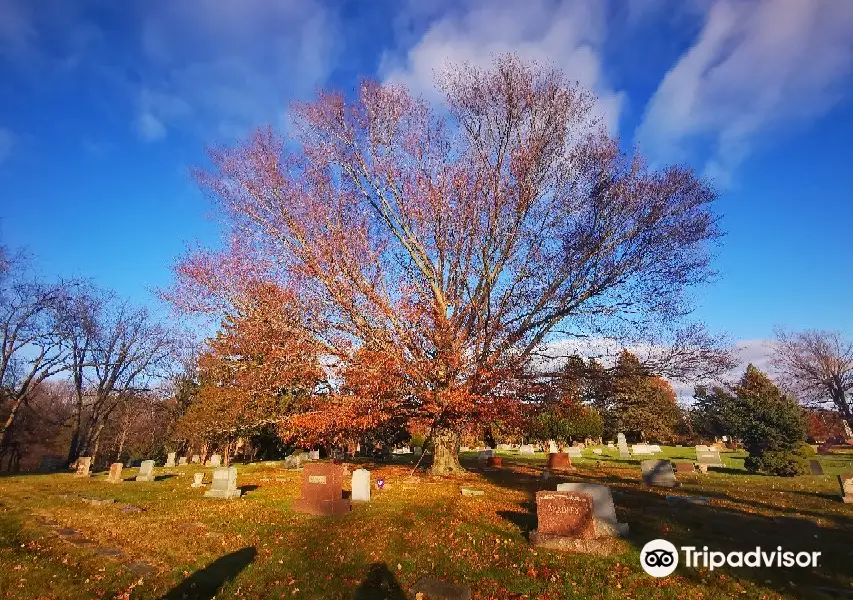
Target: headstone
(597, 450)
(685, 467)
(50, 463)
(623, 446)
(322, 490)
(557, 461)
(710, 458)
(435, 589)
(526, 449)
(658, 472)
(215, 461)
(84, 463)
(486, 453)
(655, 448)
(294, 461)
(845, 480)
(146, 471)
(170, 459)
(196, 459)
(563, 517)
(182, 461)
(815, 467)
(701, 448)
(552, 446)
(637, 449)
(115, 473)
(494, 461)
(611, 445)
(575, 452)
(464, 448)
(224, 484)
(198, 480)
(361, 485)
(418, 451)
(602, 505)
(314, 455)
(466, 491)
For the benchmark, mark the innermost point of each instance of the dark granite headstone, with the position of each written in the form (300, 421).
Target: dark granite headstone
(322, 490)
(658, 472)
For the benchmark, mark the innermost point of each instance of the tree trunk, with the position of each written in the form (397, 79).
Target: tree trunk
(7, 424)
(446, 452)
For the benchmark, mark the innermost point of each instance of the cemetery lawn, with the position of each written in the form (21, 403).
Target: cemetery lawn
(164, 540)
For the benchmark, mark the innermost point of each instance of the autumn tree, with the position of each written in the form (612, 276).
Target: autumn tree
(456, 240)
(261, 367)
(818, 366)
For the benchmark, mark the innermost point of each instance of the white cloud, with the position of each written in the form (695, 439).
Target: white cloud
(569, 34)
(223, 66)
(7, 140)
(755, 69)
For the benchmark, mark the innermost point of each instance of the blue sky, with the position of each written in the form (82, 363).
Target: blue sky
(105, 106)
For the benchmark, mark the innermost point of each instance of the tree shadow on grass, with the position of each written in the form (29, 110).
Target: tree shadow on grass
(204, 584)
(245, 489)
(380, 584)
(164, 477)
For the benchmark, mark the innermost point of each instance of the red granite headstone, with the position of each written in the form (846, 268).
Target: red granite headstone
(494, 461)
(322, 490)
(685, 467)
(559, 461)
(566, 514)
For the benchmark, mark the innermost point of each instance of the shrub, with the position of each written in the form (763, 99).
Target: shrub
(783, 464)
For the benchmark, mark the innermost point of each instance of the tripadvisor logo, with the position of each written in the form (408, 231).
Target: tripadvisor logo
(659, 558)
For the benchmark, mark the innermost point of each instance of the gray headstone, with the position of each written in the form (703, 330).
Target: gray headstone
(434, 589)
(575, 451)
(602, 504)
(182, 461)
(196, 459)
(361, 485)
(314, 455)
(215, 461)
(224, 484)
(146, 471)
(709, 458)
(50, 463)
(658, 472)
(597, 450)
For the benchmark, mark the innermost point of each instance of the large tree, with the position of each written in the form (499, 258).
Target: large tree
(455, 242)
(818, 365)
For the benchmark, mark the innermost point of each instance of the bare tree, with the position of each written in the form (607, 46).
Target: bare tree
(32, 346)
(818, 366)
(117, 352)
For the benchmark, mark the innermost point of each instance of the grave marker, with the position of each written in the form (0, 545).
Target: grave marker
(198, 480)
(845, 480)
(50, 463)
(526, 449)
(170, 459)
(322, 490)
(574, 452)
(182, 461)
(361, 485)
(604, 511)
(685, 467)
(215, 461)
(658, 472)
(196, 459)
(557, 461)
(710, 458)
(224, 484)
(115, 473)
(84, 463)
(146, 471)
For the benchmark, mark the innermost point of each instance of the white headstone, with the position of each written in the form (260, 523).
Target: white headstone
(182, 461)
(84, 463)
(224, 484)
(196, 459)
(597, 450)
(170, 459)
(198, 480)
(314, 455)
(215, 461)
(710, 458)
(526, 449)
(552, 446)
(575, 451)
(146, 471)
(361, 485)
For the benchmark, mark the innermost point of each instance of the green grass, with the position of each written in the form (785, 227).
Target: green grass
(257, 547)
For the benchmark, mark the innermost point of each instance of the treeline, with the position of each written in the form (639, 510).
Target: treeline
(82, 371)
